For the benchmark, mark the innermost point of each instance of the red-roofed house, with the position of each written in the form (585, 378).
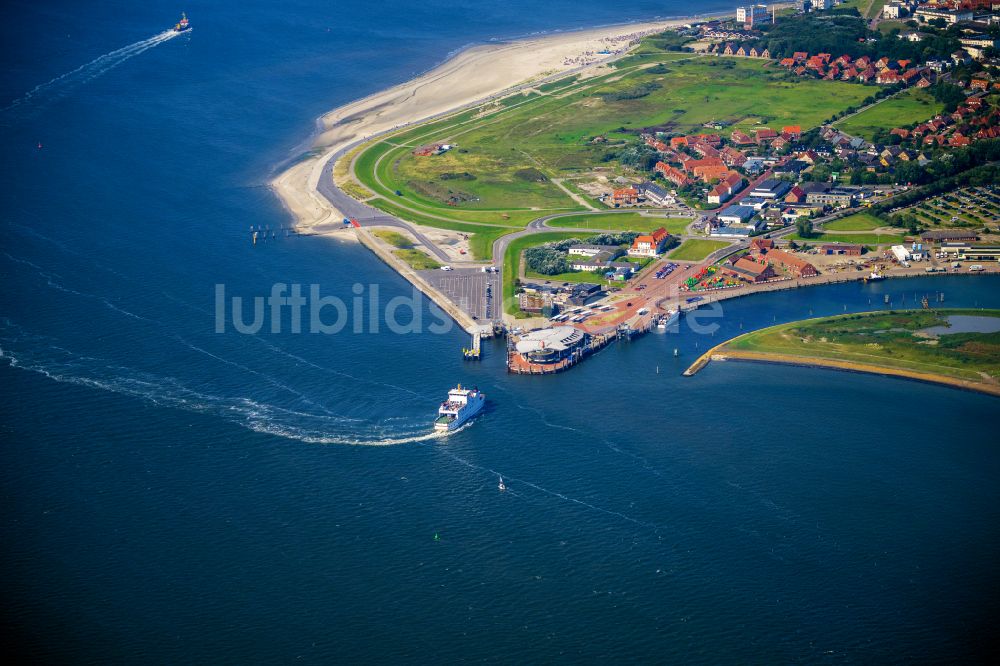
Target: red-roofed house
(672, 174)
(790, 262)
(625, 196)
(727, 187)
(765, 134)
(747, 269)
(709, 172)
(649, 245)
(796, 195)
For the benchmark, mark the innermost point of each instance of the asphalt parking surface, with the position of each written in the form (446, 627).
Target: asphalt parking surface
(467, 288)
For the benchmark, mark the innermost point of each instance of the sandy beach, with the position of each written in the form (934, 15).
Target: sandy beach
(472, 76)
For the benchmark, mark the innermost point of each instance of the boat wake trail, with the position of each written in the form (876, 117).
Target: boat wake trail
(313, 425)
(62, 85)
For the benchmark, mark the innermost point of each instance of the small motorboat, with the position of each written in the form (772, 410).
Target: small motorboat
(501, 486)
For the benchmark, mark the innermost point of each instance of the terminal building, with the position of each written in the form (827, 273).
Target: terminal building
(551, 345)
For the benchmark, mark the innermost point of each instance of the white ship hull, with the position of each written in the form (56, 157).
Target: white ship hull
(668, 320)
(459, 409)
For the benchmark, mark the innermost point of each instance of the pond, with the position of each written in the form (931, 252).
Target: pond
(966, 324)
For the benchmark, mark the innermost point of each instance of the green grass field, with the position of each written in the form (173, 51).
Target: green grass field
(885, 339)
(631, 221)
(416, 259)
(867, 8)
(857, 222)
(394, 238)
(696, 249)
(911, 106)
(507, 154)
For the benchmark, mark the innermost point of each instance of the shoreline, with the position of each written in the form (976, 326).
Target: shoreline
(720, 353)
(469, 76)
(848, 366)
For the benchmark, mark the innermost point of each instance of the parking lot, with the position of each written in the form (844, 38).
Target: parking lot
(467, 288)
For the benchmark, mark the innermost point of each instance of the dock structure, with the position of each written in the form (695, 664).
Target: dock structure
(521, 364)
(475, 352)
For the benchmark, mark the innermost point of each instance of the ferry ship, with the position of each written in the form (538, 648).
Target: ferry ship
(183, 24)
(668, 320)
(461, 405)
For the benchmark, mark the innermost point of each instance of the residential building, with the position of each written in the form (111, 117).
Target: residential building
(625, 196)
(649, 245)
(752, 15)
(927, 14)
(673, 175)
(654, 194)
(836, 196)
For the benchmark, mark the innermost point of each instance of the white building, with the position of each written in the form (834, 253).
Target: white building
(752, 15)
(591, 250)
(927, 14)
(901, 253)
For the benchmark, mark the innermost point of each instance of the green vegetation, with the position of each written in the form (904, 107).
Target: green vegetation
(856, 222)
(394, 238)
(696, 249)
(867, 8)
(631, 221)
(481, 242)
(891, 339)
(912, 106)
(416, 259)
(512, 264)
(506, 155)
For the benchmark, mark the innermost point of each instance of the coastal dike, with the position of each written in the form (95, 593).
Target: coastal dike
(721, 352)
(401, 267)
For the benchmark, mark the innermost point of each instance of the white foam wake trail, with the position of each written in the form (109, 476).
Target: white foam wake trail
(65, 83)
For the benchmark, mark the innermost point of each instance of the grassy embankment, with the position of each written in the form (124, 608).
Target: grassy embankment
(911, 106)
(696, 249)
(631, 221)
(406, 251)
(881, 342)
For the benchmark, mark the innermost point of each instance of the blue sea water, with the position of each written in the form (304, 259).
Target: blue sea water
(171, 493)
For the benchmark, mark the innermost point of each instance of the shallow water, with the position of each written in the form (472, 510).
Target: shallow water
(965, 324)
